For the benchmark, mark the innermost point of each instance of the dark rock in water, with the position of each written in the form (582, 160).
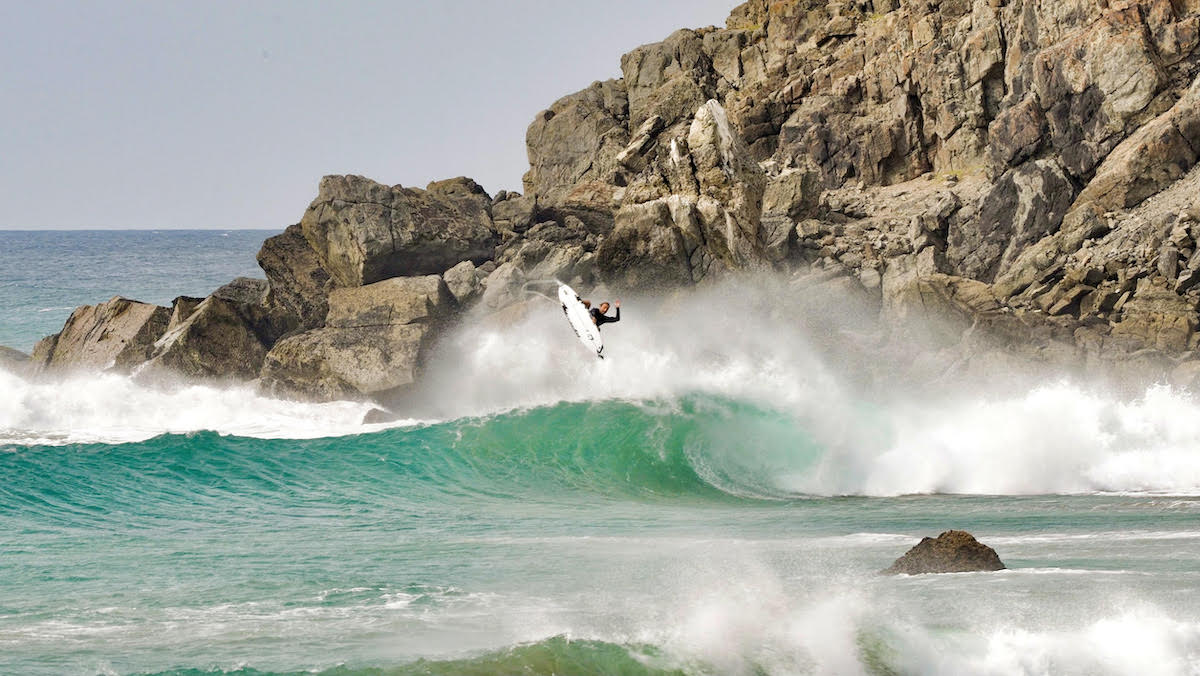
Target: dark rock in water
(954, 551)
(364, 232)
(13, 360)
(116, 334)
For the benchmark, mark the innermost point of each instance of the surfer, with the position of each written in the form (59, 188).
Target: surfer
(600, 314)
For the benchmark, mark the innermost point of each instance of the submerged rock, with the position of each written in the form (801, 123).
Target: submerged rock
(954, 551)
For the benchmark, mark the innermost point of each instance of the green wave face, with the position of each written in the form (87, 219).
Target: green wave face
(698, 448)
(553, 656)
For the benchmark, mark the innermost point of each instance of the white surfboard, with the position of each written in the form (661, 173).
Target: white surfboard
(581, 319)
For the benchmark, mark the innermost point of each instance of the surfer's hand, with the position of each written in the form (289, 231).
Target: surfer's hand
(616, 303)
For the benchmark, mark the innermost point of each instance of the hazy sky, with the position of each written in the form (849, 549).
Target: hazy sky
(211, 114)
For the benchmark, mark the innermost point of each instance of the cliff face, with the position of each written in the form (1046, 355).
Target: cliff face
(1017, 173)
(1024, 167)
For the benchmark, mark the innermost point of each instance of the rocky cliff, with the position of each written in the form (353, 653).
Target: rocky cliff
(1006, 181)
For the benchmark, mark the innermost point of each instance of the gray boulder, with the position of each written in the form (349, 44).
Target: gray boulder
(117, 334)
(299, 284)
(514, 214)
(373, 344)
(182, 308)
(954, 551)
(224, 337)
(463, 282)
(364, 232)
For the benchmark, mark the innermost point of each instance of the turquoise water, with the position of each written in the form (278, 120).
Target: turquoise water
(46, 274)
(711, 499)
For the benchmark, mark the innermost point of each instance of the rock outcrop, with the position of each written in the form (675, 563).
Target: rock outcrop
(1007, 185)
(372, 343)
(224, 337)
(954, 551)
(299, 284)
(364, 232)
(117, 334)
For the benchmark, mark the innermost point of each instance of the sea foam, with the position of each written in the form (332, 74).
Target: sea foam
(112, 408)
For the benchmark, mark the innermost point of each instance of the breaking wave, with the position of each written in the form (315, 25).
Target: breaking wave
(731, 385)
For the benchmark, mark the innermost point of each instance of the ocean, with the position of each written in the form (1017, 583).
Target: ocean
(716, 497)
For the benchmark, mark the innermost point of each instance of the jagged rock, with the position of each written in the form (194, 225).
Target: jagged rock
(646, 248)
(1156, 317)
(668, 79)
(363, 231)
(632, 157)
(396, 301)
(299, 284)
(576, 139)
(794, 193)
(1015, 135)
(461, 188)
(954, 551)
(546, 252)
(514, 214)
(1157, 154)
(1025, 205)
(223, 338)
(116, 334)
(373, 345)
(182, 308)
(330, 364)
(698, 210)
(503, 286)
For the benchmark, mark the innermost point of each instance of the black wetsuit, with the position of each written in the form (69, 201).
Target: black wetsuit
(600, 318)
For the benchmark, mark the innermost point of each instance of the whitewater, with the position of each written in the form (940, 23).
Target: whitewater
(716, 497)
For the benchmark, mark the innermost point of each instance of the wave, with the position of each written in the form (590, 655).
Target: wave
(695, 447)
(734, 387)
(555, 655)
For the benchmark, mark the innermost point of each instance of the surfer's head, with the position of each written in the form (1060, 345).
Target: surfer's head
(604, 307)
